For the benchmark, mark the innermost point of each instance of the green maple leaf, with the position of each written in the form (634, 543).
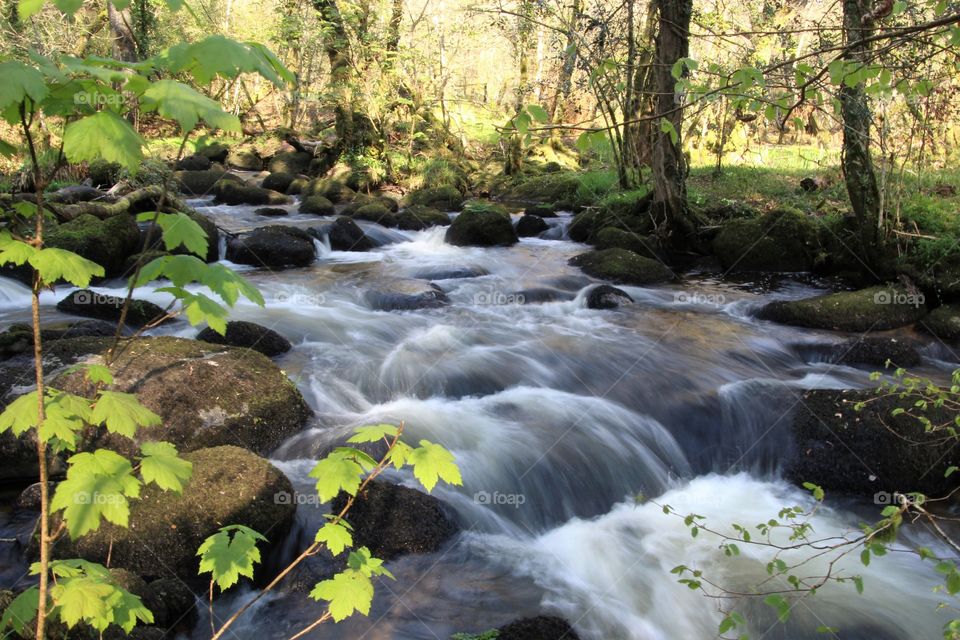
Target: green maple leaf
(97, 487)
(180, 102)
(227, 558)
(179, 229)
(122, 413)
(199, 308)
(374, 433)
(20, 614)
(103, 135)
(82, 598)
(337, 472)
(163, 466)
(431, 463)
(20, 82)
(227, 284)
(15, 251)
(336, 536)
(54, 265)
(20, 415)
(346, 592)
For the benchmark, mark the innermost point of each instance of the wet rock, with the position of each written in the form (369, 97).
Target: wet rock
(451, 273)
(943, 322)
(216, 151)
(784, 240)
(392, 520)
(172, 603)
(622, 267)
(280, 181)
(154, 238)
(29, 498)
(249, 335)
(75, 194)
(271, 212)
(481, 228)
(317, 205)
(874, 309)
(613, 238)
(202, 183)
(344, 235)
(332, 190)
(607, 297)
(874, 351)
(406, 295)
(531, 225)
(376, 213)
(869, 451)
(538, 628)
(195, 162)
(542, 209)
(273, 247)
(539, 295)
(234, 193)
(18, 338)
(90, 304)
(107, 242)
(229, 485)
(445, 198)
(418, 217)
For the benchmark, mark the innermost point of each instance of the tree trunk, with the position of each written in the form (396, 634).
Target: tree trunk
(861, 180)
(565, 83)
(669, 167)
(121, 28)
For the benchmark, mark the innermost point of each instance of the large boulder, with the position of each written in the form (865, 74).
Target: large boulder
(332, 190)
(272, 212)
(235, 193)
(622, 267)
(344, 235)
(18, 338)
(530, 225)
(614, 238)
(290, 162)
(216, 151)
(445, 198)
(229, 486)
(75, 194)
(392, 520)
(206, 394)
(154, 238)
(873, 309)
(418, 217)
(538, 628)
(107, 242)
(605, 296)
(195, 162)
(542, 209)
(279, 181)
(316, 205)
(248, 335)
(872, 450)
(273, 247)
(406, 295)
(482, 227)
(244, 158)
(784, 240)
(90, 304)
(943, 322)
(376, 212)
(202, 183)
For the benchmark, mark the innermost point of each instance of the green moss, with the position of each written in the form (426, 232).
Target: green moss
(613, 238)
(376, 212)
(784, 240)
(550, 187)
(418, 217)
(446, 198)
(107, 242)
(622, 267)
(482, 226)
(317, 205)
(333, 190)
(873, 309)
(943, 322)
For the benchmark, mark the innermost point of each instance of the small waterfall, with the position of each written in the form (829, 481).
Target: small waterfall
(322, 246)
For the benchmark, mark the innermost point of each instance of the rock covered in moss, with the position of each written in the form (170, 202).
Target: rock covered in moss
(392, 520)
(344, 234)
(154, 237)
(482, 227)
(273, 247)
(542, 209)
(90, 304)
(195, 162)
(784, 240)
(250, 336)
(206, 394)
(622, 267)
(614, 238)
(418, 217)
(873, 309)
(279, 181)
(551, 187)
(316, 205)
(530, 225)
(375, 212)
(292, 162)
(107, 242)
(445, 198)
(333, 190)
(244, 158)
(235, 193)
(943, 322)
(229, 486)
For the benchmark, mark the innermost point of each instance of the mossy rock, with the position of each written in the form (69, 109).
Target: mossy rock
(874, 309)
(316, 205)
(235, 193)
(332, 190)
(482, 227)
(273, 247)
(107, 242)
(195, 162)
(142, 258)
(216, 151)
(297, 186)
(418, 217)
(542, 209)
(614, 238)
(229, 486)
(244, 158)
(292, 162)
(104, 174)
(943, 322)
(780, 241)
(202, 183)
(376, 213)
(155, 238)
(279, 181)
(206, 394)
(530, 225)
(445, 198)
(622, 267)
(549, 187)
(89, 304)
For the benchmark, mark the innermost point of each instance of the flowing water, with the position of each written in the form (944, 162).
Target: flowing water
(559, 417)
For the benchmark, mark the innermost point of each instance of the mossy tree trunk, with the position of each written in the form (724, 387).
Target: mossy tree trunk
(669, 168)
(860, 177)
